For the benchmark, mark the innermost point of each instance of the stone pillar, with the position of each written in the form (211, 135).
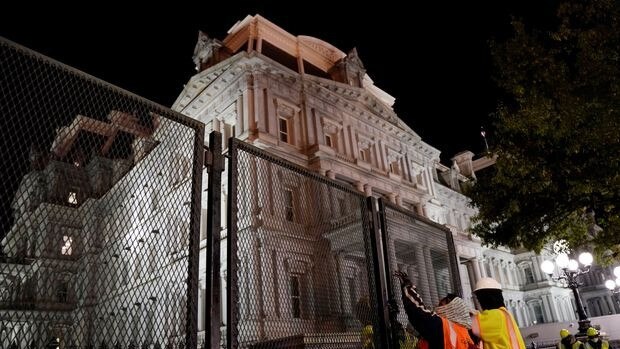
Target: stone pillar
(422, 272)
(483, 271)
(476, 268)
(500, 272)
(330, 174)
(431, 276)
(269, 274)
(510, 273)
(538, 275)
(547, 310)
(491, 262)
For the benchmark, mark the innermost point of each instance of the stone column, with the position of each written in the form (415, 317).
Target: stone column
(547, 309)
(500, 272)
(538, 275)
(269, 279)
(481, 269)
(422, 272)
(431, 276)
(330, 174)
(399, 200)
(476, 269)
(491, 262)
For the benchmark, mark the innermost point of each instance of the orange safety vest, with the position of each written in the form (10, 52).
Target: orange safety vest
(497, 329)
(455, 336)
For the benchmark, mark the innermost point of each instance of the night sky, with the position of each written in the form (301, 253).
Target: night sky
(434, 58)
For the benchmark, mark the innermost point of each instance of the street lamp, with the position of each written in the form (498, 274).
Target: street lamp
(568, 274)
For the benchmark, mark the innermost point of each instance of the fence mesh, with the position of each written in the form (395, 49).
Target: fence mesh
(422, 250)
(300, 265)
(97, 224)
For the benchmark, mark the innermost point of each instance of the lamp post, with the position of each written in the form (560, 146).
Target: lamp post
(569, 272)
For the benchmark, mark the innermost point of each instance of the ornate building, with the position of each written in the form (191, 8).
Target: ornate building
(98, 247)
(305, 100)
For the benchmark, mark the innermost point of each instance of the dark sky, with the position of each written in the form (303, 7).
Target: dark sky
(433, 58)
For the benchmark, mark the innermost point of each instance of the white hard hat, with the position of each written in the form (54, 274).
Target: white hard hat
(487, 283)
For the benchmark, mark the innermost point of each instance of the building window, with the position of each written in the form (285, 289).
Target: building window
(295, 296)
(67, 246)
(363, 155)
(538, 314)
(329, 141)
(284, 130)
(394, 168)
(62, 292)
(288, 205)
(72, 198)
(529, 276)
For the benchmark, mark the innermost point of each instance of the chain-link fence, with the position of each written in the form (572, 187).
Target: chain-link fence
(422, 249)
(300, 266)
(99, 215)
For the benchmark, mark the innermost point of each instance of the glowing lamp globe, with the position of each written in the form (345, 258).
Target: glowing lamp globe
(617, 272)
(610, 284)
(586, 259)
(547, 267)
(562, 260)
(573, 265)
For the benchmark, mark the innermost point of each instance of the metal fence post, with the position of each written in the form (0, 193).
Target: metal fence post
(191, 337)
(231, 251)
(212, 309)
(393, 320)
(380, 274)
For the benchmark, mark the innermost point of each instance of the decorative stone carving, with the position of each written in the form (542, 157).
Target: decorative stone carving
(205, 49)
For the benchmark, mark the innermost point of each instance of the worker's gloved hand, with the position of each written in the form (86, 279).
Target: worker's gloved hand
(403, 278)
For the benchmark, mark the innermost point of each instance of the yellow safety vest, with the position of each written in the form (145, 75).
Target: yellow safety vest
(367, 337)
(604, 345)
(497, 329)
(576, 345)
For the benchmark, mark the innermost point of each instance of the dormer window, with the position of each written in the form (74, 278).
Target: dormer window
(67, 246)
(72, 198)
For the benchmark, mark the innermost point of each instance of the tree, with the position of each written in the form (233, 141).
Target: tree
(557, 133)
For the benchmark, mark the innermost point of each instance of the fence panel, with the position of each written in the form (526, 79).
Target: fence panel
(424, 250)
(99, 215)
(300, 260)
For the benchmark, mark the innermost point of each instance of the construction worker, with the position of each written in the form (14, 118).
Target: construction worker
(594, 342)
(568, 341)
(494, 325)
(437, 332)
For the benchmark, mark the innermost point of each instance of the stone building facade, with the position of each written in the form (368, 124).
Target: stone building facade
(305, 100)
(98, 249)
